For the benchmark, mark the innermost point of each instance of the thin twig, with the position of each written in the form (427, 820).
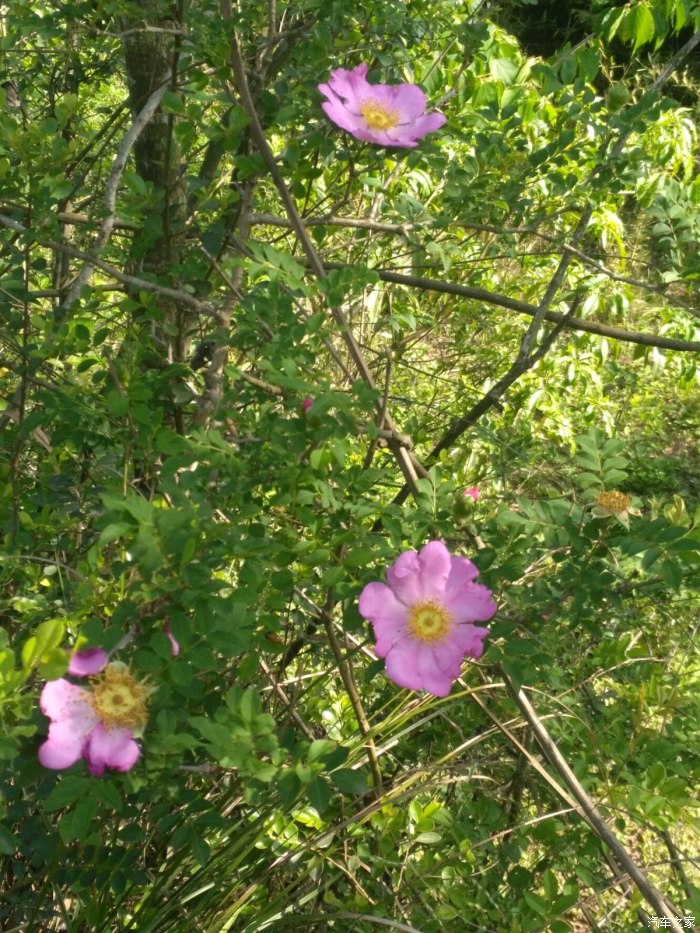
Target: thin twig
(131, 280)
(524, 307)
(651, 894)
(410, 466)
(106, 226)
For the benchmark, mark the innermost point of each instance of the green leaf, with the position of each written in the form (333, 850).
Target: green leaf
(49, 635)
(115, 530)
(613, 478)
(428, 838)
(536, 902)
(76, 823)
(585, 480)
(650, 557)
(503, 69)
(639, 25)
(319, 748)
(672, 574)
(549, 883)
(173, 103)
(200, 849)
(69, 789)
(350, 781)
(319, 794)
(8, 842)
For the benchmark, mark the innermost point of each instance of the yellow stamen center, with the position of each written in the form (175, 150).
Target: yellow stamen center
(430, 622)
(119, 699)
(614, 501)
(377, 116)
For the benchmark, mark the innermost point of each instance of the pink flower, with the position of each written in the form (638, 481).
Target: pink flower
(473, 492)
(306, 404)
(385, 114)
(174, 643)
(423, 619)
(96, 723)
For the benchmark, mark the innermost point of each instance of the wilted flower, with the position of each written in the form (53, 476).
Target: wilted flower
(473, 492)
(385, 114)
(97, 723)
(614, 504)
(423, 619)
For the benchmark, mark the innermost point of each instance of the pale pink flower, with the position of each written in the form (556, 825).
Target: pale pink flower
(423, 619)
(473, 492)
(174, 643)
(97, 723)
(385, 114)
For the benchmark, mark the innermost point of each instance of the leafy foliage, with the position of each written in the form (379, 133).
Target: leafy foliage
(164, 318)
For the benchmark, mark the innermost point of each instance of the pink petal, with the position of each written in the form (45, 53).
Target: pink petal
(397, 137)
(387, 614)
(462, 573)
(72, 719)
(412, 665)
(111, 748)
(473, 492)
(174, 644)
(402, 665)
(343, 118)
(435, 680)
(427, 124)
(62, 748)
(407, 134)
(470, 639)
(86, 663)
(435, 564)
(350, 86)
(404, 578)
(470, 603)
(408, 99)
(417, 577)
(448, 657)
(63, 702)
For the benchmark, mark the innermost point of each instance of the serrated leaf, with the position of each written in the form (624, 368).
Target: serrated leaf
(613, 478)
(66, 792)
(584, 480)
(76, 823)
(639, 25)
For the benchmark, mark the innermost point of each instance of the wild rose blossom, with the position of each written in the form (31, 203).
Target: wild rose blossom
(385, 114)
(98, 723)
(423, 618)
(614, 504)
(306, 404)
(473, 493)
